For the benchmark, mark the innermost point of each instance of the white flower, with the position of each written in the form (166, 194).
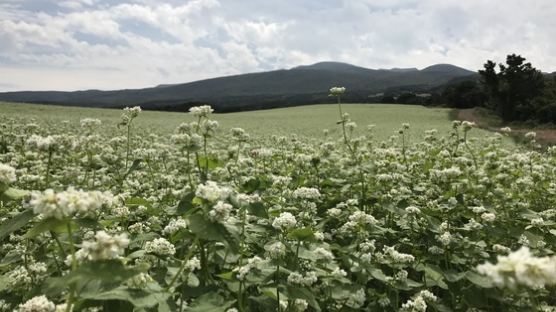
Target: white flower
(412, 210)
(488, 217)
(220, 212)
(193, 264)
(335, 91)
(7, 175)
(37, 304)
(285, 221)
(161, 247)
(521, 268)
(306, 193)
(322, 253)
(175, 225)
(276, 250)
(356, 299)
(212, 192)
(65, 204)
(105, 246)
(201, 111)
(530, 135)
(397, 256)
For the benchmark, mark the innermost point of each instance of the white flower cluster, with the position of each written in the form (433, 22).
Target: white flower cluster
(175, 225)
(419, 302)
(139, 281)
(252, 263)
(521, 268)
(335, 91)
(129, 114)
(308, 279)
(396, 256)
(7, 175)
(161, 247)
(67, 203)
(201, 111)
(285, 221)
(212, 192)
(42, 143)
(193, 264)
(356, 299)
(276, 250)
(323, 253)
(104, 246)
(90, 123)
(37, 304)
(306, 193)
(220, 211)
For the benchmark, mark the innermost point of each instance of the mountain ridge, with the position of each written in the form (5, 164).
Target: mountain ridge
(303, 84)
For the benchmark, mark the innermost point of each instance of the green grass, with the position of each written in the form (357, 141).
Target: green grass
(303, 121)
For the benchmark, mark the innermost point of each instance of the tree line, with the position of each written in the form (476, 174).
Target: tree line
(516, 91)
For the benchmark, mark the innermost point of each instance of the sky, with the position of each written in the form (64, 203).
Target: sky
(101, 44)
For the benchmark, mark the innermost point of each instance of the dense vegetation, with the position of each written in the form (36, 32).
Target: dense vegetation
(124, 218)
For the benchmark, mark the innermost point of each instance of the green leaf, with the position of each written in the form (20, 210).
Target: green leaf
(210, 162)
(140, 298)
(206, 229)
(302, 234)
(303, 293)
(210, 302)
(434, 276)
(257, 209)
(478, 279)
(379, 275)
(132, 168)
(13, 194)
(15, 223)
(49, 224)
(186, 203)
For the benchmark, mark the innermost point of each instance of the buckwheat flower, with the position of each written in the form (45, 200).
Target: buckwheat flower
(285, 221)
(478, 209)
(232, 310)
(104, 246)
(334, 212)
(416, 305)
(139, 281)
(161, 247)
(337, 273)
(356, 299)
(37, 304)
(212, 192)
(412, 210)
(521, 268)
(467, 125)
(7, 175)
(19, 278)
(397, 256)
(175, 225)
(193, 264)
(300, 305)
(90, 123)
(276, 250)
(427, 295)
(336, 91)
(322, 253)
(306, 193)
(506, 130)
(537, 222)
(530, 135)
(501, 249)
(295, 278)
(488, 217)
(201, 111)
(362, 218)
(220, 211)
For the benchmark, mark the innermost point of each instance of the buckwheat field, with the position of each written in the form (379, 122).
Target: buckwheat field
(99, 217)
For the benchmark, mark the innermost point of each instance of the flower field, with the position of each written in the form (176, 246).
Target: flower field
(208, 218)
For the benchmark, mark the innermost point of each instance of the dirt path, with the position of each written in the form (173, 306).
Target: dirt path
(544, 136)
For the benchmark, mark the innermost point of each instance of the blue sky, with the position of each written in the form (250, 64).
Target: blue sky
(101, 44)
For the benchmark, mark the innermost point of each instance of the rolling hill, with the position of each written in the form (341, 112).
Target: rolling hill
(278, 88)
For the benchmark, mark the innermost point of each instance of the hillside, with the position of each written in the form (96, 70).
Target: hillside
(299, 85)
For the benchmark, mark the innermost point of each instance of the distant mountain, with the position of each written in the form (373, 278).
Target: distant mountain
(299, 85)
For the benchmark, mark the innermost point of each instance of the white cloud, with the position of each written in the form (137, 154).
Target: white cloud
(84, 44)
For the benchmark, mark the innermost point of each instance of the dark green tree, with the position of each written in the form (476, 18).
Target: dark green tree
(513, 88)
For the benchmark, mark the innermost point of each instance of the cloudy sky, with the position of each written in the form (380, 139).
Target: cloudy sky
(101, 44)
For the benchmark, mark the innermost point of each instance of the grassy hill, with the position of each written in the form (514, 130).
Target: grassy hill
(279, 88)
(306, 121)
